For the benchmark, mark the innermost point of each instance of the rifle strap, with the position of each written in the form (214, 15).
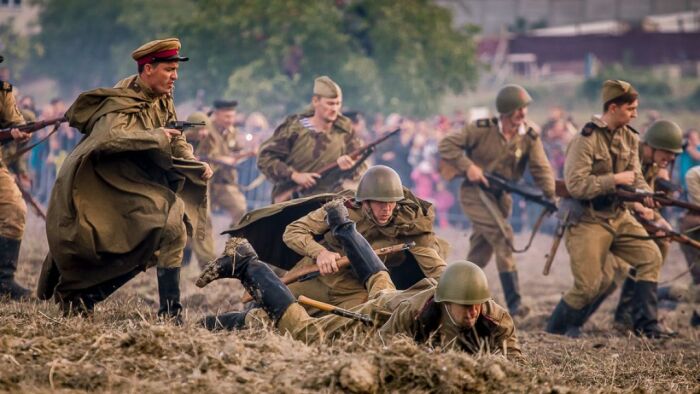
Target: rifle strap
(504, 227)
(26, 149)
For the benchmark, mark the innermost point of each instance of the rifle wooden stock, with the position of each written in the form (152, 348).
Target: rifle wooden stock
(334, 310)
(558, 235)
(295, 275)
(291, 187)
(29, 127)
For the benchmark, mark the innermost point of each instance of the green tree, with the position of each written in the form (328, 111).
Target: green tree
(387, 55)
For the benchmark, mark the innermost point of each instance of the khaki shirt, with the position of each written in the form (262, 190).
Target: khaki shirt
(482, 143)
(216, 145)
(294, 147)
(692, 180)
(595, 155)
(9, 112)
(412, 221)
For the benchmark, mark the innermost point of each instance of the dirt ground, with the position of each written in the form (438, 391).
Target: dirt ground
(124, 348)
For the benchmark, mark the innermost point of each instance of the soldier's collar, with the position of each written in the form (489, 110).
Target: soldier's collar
(140, 87)
(522, 129)
(599, 122)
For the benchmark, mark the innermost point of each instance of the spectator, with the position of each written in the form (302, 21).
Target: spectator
(690, 156)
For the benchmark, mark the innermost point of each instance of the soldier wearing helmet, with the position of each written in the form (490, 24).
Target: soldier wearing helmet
(456, 312)
(504, 145)
(386, 214)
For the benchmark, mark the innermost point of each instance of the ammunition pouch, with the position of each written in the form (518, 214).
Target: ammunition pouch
(607, 202)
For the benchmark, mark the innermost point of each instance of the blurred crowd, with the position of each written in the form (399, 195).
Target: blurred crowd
(413, 154)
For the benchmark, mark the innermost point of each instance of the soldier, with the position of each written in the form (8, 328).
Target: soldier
(661, 143)
(221, 145)
(386, 214)
(604, 155)
(690, 224)
(128, 193)
(504, 145)
(307, 142)
(13, 210)
(456, 313)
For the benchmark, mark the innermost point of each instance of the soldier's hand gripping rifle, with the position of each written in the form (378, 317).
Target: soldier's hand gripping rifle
(291, 188)
(29, 127)
(311, 271)
(335, 310)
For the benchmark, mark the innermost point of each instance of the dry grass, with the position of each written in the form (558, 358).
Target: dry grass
(124, 348)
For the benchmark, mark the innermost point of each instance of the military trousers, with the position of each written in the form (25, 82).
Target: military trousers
(589, 244)
(13, 210)
(487, 238)
(229, 198)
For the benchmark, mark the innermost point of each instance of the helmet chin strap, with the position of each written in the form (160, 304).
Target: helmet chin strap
(449, 315)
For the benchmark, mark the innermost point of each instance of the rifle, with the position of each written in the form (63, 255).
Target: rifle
(501, 183)
(653, 228)
(558, 235)
(29, 127)
(335, 310)
(449, 172)
(290, 188)
(629, 193)
(666, 186)
(31, 200)
(181, 125)
(311, 271)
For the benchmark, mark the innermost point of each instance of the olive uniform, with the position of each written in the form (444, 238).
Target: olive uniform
(125, 197)
(412, 221)
(297, 146)
(593, 157)
(13, 210)
(482, 143)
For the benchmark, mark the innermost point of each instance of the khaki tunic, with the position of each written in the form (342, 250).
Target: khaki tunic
(294, 147)
(126, 196)
(593, 157)
(13, 210)
(690, 224)
(412, 221)
(482, 143)
(410, 312)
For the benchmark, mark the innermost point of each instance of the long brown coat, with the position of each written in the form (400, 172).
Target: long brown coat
(115, 191)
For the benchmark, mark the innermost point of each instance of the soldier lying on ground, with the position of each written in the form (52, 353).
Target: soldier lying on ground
(455, 313)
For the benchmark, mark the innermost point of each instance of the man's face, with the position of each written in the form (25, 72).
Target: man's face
(224, 118)
(382, 211)
(465, 316)
(160, 77)
(518, 116)
(663, 158)
(327, 108)
(623, 114)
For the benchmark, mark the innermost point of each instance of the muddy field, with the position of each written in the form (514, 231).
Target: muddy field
(123, 348)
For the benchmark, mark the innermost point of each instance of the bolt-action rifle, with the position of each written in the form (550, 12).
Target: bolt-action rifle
(29, 127)
(290, 189)
(335, 310)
